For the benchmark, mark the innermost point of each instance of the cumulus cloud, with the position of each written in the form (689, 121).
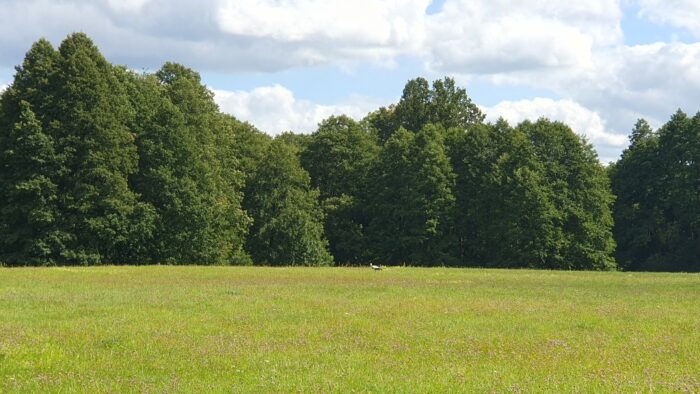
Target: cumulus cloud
(478, 36)
(275, 109)
(127, 5)
(677, 13)
(361, 22)
(223, 35)
(328, 31)
(641, 81)
(625, 83)
(486, 37)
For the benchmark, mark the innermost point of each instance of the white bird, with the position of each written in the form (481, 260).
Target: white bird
(376, 267)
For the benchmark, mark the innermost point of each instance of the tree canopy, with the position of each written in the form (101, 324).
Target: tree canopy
(103, 165)
(657, 183)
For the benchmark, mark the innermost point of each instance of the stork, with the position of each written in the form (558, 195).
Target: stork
(376, 267)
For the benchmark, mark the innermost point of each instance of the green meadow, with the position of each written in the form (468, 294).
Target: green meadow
(251, 329)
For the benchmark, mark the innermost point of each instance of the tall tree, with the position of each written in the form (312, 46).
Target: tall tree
(679, 152)
(287, 217)
(188, 170)
(414, 110)
(504, 212)
(32, 84)
(580, 192)
(90, 130)
(656, 181)
(412, 200)
(338, 158)
(635, 179)
(451, 106)
(28, 215)
(29, 165)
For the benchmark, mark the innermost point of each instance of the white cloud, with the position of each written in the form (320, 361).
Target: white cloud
(127, 5)
(641, 81)
(223, 35)
(394, 23)
(495, 36)
(478, 36)
(676, 13)
(275, 109)
(625, 83)
(328, 31)
(2, 87)
(579, 118)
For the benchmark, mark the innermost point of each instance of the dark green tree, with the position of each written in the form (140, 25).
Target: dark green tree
(29, 233)
(504, 214)
(679, 154)
(656, 182)
(287, 217)
(412, 200)
(580, 192)
(382, 122)
(451, 107)
(29, 165)
(415, 109)
(635, 182)
(338, 158)
(32, 84)
(88, 120)
(188, 170)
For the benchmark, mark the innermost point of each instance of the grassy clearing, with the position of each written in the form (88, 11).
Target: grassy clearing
(186, 329)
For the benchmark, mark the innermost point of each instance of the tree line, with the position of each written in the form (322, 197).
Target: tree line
(103, 165)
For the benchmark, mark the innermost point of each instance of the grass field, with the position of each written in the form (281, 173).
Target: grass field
(227, 329)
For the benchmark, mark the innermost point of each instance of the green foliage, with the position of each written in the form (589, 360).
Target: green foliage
(531, 196)
(298, 141)
(634, 180)
(657, 210)
(580, 192)
(287, 218)
(102, 214)
(383, 122)
(32, 83)
(249, 145)
(28, 199)
(102, 165)
(125, 168)
(345, 227)
(338, 158)
(411, 199)
(504, 216)
(78, 124)
(188, 170)
(444, 104)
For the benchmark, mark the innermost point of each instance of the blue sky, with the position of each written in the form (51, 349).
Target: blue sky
(596, 64)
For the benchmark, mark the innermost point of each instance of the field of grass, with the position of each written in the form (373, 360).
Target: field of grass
(229, 329)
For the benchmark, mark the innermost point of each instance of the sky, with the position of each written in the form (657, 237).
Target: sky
(597, 65)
